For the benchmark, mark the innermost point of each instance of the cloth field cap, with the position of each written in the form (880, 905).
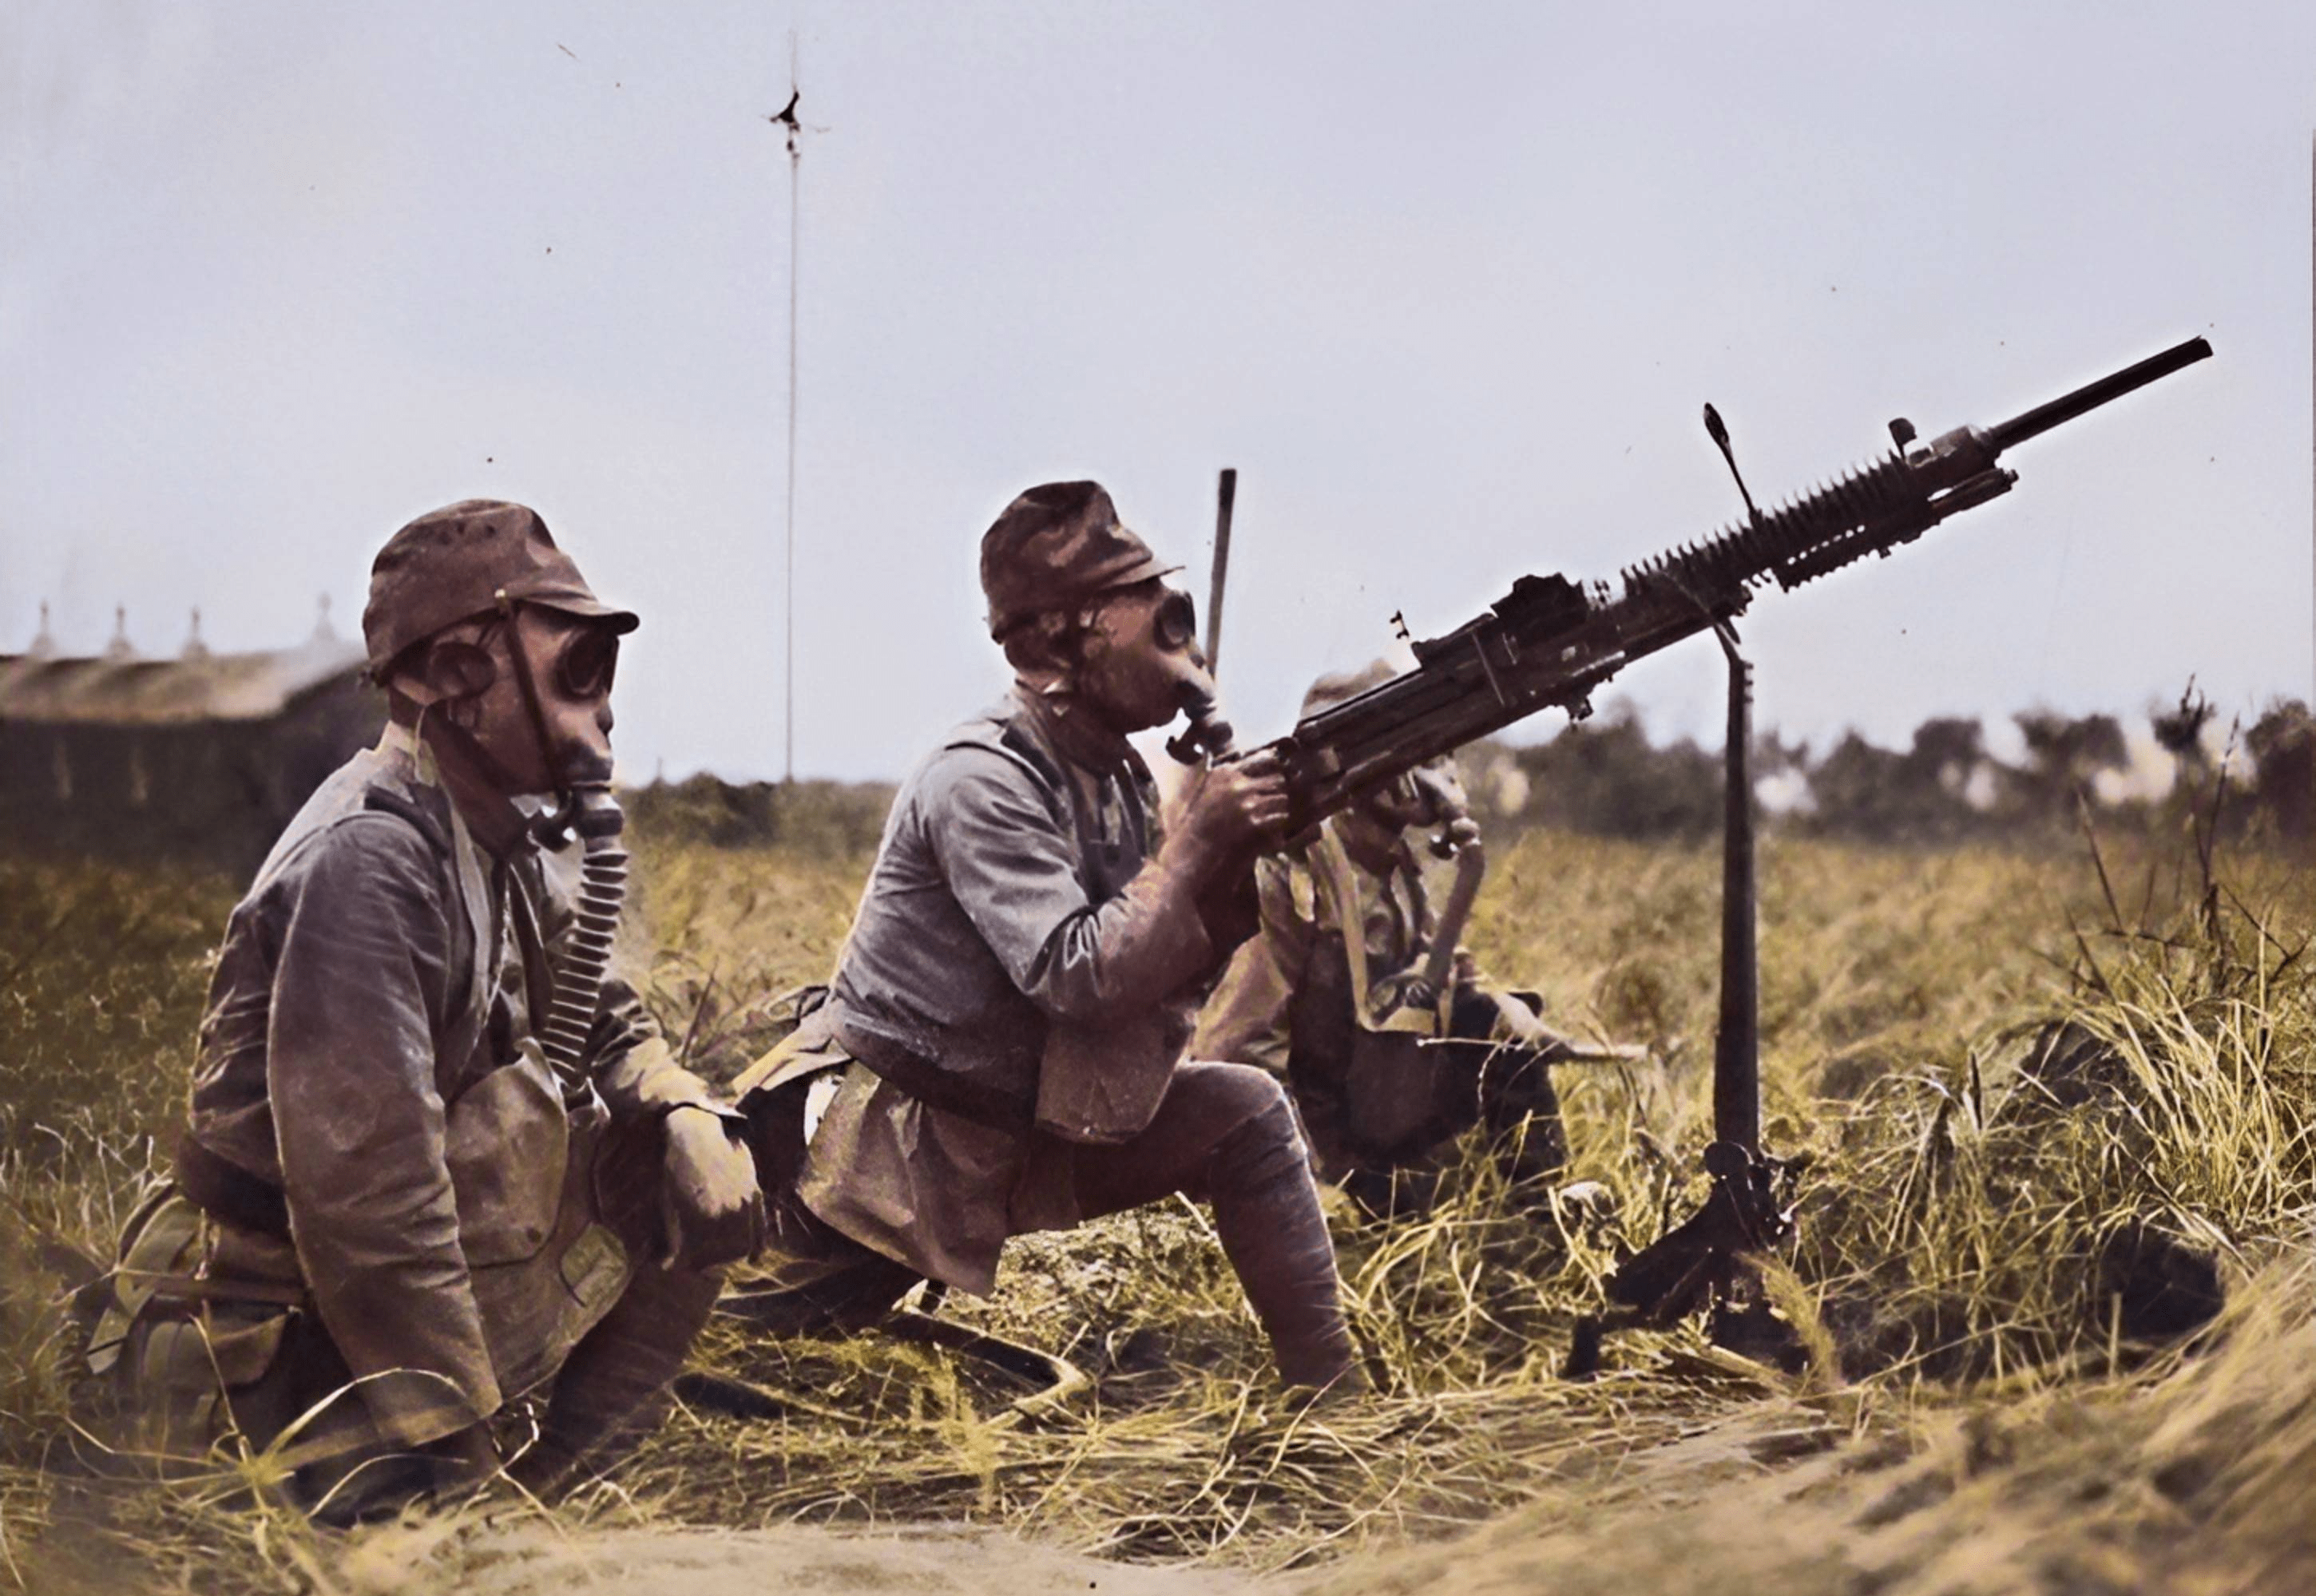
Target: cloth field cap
(1057, 544)
(1343, 685)
(452, 563)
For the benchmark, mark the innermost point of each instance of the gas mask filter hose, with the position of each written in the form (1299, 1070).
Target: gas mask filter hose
(587, 960)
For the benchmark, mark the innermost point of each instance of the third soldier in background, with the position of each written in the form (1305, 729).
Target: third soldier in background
(1355, 993)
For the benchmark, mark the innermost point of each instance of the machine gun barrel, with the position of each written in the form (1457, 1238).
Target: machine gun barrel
(1549, 643)
(2040, 420)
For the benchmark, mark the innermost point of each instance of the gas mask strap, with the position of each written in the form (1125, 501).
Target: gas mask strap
(524, 681)
(552, 828)
(452, 745)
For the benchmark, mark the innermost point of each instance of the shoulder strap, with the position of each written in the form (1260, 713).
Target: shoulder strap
(1333, 879)
(1065, 800)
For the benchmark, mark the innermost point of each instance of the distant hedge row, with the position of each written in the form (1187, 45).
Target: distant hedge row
(825, 819)
(1605, 777)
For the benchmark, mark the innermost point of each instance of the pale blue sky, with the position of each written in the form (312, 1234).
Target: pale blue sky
(1446, 284)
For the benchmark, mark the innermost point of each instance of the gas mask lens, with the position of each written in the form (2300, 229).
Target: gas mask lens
(585, 669)
(1176, 621)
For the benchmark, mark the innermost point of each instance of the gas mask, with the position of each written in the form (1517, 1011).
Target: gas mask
(1207, 736)
(1431, 795)
(584, 663)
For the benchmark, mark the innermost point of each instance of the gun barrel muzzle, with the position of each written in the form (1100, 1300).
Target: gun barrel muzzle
(2065, 408)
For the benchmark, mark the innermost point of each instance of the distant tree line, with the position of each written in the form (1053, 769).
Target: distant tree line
(1605, 776)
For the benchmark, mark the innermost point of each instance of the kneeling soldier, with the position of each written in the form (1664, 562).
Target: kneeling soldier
(1008, 1017)
(435, 1158)
(1355, 994)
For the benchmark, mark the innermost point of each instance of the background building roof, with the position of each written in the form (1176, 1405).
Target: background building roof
(204, 686)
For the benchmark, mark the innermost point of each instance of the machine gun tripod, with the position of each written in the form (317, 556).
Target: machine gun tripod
(1708, 1260)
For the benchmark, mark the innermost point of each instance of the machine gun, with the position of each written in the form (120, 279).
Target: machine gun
(1550, 643)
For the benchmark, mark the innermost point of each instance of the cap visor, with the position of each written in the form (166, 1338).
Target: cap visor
(593, 609)
(1143, 571)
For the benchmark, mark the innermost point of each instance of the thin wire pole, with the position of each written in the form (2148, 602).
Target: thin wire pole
(796, 211)
(796, 186)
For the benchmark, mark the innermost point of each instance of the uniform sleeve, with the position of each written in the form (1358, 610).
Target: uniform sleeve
(634, 1067)
(1012, 867)
(360, 989)
(1247, 1021)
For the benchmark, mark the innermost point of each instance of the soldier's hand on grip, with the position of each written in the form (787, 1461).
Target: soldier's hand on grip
(1234, 809)
(709, 1200)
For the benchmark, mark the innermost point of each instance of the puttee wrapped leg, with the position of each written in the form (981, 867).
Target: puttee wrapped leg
(613, 1388)
(1267, 1212)
(1227, 1135)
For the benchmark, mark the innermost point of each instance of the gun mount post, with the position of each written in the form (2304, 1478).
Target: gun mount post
(1703, 1262)
(1737, 1045)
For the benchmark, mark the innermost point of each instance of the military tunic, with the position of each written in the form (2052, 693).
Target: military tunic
(366, 1054)
(1009, 896)
(1291, 985)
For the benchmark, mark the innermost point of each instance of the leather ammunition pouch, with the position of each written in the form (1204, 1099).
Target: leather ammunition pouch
(167, 1348)
(813, 1277)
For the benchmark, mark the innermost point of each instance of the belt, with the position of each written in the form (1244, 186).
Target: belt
(937, 1087)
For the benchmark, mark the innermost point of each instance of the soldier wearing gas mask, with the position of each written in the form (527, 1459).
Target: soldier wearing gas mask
(435, 1159)
(1005, 1034)
(1355, 994)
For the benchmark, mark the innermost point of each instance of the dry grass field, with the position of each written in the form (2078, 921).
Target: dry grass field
(1998, 1224)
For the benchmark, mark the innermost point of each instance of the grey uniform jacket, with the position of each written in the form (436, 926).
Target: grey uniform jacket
(366, 1049)
(1014, 891)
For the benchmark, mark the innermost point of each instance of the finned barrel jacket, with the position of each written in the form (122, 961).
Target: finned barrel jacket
(366, 1050)
(1015, 891)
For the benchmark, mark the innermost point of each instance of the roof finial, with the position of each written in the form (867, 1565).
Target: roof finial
(120, 648)
(44, 645)
(194, 649)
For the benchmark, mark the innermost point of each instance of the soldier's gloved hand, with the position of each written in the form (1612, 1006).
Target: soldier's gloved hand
(1230, 811)
(1418, 993)
(713, 1209)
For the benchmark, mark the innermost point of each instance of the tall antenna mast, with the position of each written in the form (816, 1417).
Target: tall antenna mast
(786, 119)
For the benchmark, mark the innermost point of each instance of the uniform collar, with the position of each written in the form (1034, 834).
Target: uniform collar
(400, 742)
(504, 834)
(1076, 731)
